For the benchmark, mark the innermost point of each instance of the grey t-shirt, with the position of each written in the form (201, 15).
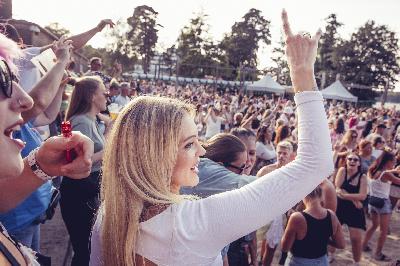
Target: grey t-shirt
(215, 178)
(88, 127)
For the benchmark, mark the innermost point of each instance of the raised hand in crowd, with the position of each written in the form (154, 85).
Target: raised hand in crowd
(301, 52)
(103, 23)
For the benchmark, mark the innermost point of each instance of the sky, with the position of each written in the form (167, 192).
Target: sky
(306, 15)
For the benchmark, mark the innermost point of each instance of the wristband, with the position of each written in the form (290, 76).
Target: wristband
(36, 168)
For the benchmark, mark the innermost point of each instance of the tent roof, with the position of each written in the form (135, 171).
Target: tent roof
(338, 92)
(266, 84)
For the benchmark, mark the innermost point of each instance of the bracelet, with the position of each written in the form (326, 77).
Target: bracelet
(36, 168)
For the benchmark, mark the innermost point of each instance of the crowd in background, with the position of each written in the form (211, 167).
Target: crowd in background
(250, 135)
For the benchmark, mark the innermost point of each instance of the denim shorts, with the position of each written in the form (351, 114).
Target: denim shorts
(386, 209)
(298, 261)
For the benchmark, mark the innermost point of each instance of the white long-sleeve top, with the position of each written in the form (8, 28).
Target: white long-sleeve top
(194, 232)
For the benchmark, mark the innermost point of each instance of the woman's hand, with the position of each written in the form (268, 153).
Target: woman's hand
(51, 156)
(358, 204)
(301, 52)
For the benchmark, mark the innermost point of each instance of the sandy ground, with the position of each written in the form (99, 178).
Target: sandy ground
(54, 243)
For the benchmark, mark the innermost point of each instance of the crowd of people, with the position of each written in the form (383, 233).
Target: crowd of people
(187, 174)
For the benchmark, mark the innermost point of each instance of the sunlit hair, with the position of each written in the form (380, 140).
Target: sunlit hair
(286, 145)
(223, 148)
(347, 138)
(380, 163)
(282, 133)
(316, 193)
(82, 95)
(138, 161)
(9, 51)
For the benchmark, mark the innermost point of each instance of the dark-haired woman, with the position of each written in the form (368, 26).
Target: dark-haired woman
(309, 232)
(381, 175)
(80, 198)
(351, 190)
(265, 150)
(229, 151)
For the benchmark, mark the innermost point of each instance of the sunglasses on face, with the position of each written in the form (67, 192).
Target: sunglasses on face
(241, 168)
(6, 79)
(352, 159)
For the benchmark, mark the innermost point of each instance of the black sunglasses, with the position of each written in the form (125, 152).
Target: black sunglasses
(6, 78)
(353, 159)
(241, 168)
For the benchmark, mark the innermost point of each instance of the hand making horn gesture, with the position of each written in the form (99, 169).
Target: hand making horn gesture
(301, 52)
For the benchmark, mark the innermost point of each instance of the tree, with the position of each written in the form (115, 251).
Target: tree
(281, 69)
(242, 43)
(196, 52)
(142, 35)
(57, 29)
(370, 57)
(327, 61)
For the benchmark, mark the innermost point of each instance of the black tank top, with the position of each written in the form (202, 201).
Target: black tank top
(314, 244)
(346, 185)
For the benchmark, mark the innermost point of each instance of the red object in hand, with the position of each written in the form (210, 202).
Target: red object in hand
(66, 130)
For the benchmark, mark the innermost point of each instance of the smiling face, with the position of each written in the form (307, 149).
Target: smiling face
(185, 171)
(353, 161)
(10, 120)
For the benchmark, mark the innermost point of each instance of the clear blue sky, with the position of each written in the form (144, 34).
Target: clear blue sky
(79, 15)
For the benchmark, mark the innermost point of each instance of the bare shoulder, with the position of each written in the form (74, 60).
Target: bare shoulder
(297, 219)
(267, 169)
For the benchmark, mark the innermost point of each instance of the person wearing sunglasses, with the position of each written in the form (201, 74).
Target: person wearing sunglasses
(274, 231)
(20, 177)
(351, 188)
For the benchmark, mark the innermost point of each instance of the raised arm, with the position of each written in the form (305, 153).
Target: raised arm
(254, 205)
(81, 39)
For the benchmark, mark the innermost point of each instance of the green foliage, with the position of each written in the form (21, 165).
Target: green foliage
(142, 35)
(280, 71)
(370, 57)
(241, 44)
(57, 29)
(327, 61)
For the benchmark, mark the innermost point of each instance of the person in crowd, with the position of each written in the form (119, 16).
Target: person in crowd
(274, 230)
(309, 233)
(20, 177)
(380, 131)
(113, 91)
(247, 244)
(23, 222)
(265, 149)
(349, 141)
(213, 122)
(178, 231)
(337, 131)
(394, 194)
(378, 144)
(365, 153)
(352, 186)
(124, 97)
(381, 174)
(282, 133)
(229, 151)
(80, 198)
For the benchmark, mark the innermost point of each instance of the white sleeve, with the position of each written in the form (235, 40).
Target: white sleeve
(207, 225)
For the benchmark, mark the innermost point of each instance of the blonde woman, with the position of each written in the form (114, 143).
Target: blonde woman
(153, 150)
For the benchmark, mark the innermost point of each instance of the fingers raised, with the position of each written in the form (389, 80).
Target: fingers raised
(286, 25)
(317, 35)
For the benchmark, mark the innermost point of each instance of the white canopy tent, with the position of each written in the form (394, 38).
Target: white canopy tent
(266, 84)
(336, 91)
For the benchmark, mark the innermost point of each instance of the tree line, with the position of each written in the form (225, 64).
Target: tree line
(368, 59)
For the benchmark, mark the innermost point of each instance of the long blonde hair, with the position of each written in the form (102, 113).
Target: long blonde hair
(138, 162)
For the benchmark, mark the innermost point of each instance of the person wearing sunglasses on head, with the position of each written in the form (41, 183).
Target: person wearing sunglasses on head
(20, 177)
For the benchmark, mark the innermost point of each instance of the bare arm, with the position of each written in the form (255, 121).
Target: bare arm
(50, 114)
(296, 221)
(51, 158)
(337, 240)
(46, 89)
(361, 195)
(81, 39)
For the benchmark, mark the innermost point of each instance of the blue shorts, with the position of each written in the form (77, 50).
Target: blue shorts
(297, 261)
(386, 209)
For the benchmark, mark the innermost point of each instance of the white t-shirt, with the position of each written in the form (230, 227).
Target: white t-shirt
(265, 152)
(213, 127)
(122, 100)
(194, 232)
